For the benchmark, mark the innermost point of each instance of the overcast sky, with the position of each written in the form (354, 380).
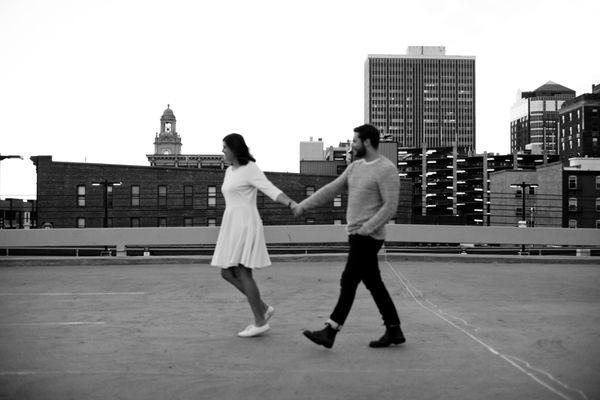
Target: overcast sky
(88, 80)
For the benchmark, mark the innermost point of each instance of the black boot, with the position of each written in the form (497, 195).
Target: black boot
(324, 337)
(392, 335)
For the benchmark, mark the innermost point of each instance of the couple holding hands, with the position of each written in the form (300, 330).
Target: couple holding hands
(373, 188)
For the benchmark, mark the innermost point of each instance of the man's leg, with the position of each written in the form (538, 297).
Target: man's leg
(371, 276)
(350, 279)
(349, 283)
(372, 280)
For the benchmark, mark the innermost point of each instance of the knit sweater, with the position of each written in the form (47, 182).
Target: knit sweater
(373, 190)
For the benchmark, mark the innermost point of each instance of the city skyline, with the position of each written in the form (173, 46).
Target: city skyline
(89, 81)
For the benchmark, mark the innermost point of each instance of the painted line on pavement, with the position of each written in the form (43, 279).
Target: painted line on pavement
(511, 360)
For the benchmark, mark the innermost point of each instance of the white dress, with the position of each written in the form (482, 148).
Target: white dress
(241, 238)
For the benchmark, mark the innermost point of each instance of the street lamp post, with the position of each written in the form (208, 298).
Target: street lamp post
(106, 184)
(523, 185)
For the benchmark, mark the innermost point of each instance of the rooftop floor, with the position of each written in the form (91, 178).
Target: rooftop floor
(474, 331)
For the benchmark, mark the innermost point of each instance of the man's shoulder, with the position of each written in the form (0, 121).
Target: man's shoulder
(386, 163)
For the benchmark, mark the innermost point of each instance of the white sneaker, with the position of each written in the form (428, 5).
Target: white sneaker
(269, 313)
(252, 330)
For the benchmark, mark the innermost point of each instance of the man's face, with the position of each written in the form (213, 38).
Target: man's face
(358, 146)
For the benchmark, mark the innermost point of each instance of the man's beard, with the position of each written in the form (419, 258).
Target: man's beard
(360, 153)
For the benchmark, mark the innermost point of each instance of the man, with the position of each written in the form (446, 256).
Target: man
(373, 188)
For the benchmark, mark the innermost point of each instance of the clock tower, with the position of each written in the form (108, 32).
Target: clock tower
(167, 142)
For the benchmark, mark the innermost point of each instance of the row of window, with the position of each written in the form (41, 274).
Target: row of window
(134, 222)
(188, 196)
(573, 223)
(573, 204)
(573, 182)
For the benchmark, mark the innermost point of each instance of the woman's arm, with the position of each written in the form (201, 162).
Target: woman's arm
(285, 200)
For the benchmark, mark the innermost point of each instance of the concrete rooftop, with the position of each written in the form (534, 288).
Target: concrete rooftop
(474, 331)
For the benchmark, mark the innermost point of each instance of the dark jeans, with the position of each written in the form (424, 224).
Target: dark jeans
(363, 266)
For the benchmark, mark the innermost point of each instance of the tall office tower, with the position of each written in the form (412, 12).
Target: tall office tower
(534, 119)
(422, 98)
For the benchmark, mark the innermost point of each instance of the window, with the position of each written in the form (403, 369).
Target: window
(162, 222)
(598, 224)
(135, 196)
(162, 196)
(597, 203)
(337, 222)
(109, 222)
(212, 196)
(572, 182)
(310, 221)
(81, 222)
(187, 221)
(598, 182)
(211, 222)
(519, 211)
(109, 196)
(572, 203)
(310, 190)
(81, 196)
(134, 222)
(188, 196)
(518, 193)
(337, 201)
(531, 190)
(572, 223)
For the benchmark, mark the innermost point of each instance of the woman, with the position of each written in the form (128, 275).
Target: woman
(241, 244)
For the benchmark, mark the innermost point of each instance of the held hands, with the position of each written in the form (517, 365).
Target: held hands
(297, 210)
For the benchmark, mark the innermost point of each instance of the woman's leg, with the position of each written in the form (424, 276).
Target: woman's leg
(231, 275)
(252, 294)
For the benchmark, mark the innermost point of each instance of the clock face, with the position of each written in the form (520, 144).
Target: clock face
(166, 151)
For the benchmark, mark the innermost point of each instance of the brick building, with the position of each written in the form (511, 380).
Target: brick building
(163, 196)
(581, 189)
(579, 127)
(543, 204)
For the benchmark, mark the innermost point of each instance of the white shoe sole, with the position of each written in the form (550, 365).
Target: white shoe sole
(252, 331)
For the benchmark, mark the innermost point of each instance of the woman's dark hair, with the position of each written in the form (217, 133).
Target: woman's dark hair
(237, 144)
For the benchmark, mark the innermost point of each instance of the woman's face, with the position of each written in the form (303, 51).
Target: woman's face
(228, 154)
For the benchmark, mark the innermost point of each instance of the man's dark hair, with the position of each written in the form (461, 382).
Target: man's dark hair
(237, 144)
(368, 131)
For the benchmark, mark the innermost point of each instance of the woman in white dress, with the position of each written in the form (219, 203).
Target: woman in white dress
(241, 244)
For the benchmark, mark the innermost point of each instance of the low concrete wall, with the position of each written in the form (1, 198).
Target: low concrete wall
(123, 237)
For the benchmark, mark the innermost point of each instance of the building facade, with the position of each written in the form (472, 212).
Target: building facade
(581, 188)
(18, 214)
(163, 196)
(543, 204)
(579, 127)
(423, 97)
(312, 150)
(534, 118)
(449, 187)
(167, 148)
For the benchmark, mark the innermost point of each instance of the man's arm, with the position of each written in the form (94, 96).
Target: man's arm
(389, 189)
(325, 194)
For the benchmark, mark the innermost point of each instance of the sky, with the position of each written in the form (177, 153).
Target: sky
(87, 80)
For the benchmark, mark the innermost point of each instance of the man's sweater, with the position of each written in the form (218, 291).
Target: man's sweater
(373, 190)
